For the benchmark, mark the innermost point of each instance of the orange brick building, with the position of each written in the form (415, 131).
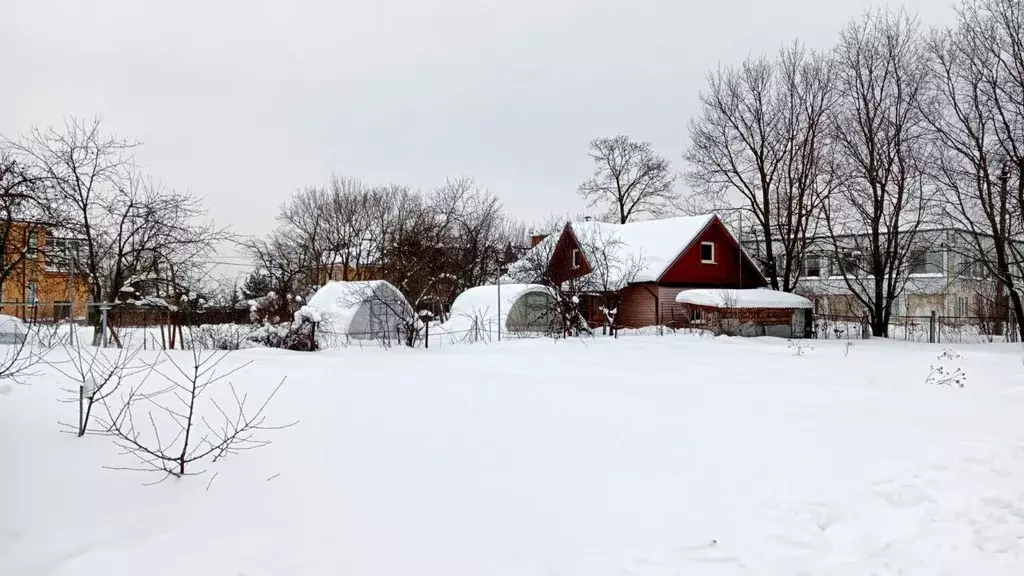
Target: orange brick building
(42, 285)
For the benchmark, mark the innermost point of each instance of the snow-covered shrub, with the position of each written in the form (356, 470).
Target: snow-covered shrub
(299, 334)
(222, 336)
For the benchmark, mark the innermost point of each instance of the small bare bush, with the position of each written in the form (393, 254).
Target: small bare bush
(942, 375)
(799, 347)
(172, 430)
(97, 373)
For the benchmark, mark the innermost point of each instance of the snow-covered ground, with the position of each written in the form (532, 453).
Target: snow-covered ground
(641, 456)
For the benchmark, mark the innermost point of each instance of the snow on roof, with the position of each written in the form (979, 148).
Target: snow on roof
(636, 251)
(480, 305)
(753, 298)
(653, 244)
(338, 302)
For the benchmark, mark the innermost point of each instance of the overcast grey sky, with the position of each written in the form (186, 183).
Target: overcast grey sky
(243, 102)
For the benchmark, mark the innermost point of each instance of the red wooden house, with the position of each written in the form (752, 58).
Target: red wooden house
(638, 268)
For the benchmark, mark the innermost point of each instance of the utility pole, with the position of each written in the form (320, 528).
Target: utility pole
(503, 260)
(103, 321)
(70, 249)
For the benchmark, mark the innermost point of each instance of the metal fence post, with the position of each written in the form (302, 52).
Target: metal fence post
(103, 322)
(933, 326)
(426, 316)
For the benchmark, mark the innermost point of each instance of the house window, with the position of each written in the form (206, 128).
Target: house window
(707, 252)
(575, 258)
(32, 292)
(925, 261)
(33, 245)
(850, 264)
(59, 252)
(970, 268)
(62, 311)
(812, 266)
(961, 306)
(696, 316)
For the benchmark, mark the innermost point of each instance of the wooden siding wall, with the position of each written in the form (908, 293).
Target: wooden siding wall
(637, 308)
(560, 268)
(725, 272)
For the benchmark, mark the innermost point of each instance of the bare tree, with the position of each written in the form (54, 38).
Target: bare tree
(976, 115)
(172, 429)
(431, 246)
(308, 220)
(287, 268)
(25, 209)
(629, 177)
(613, 267)
(878, 128)
(97, 374)
(761, 134)
(24, 349)
(129, 227)
(609, 267)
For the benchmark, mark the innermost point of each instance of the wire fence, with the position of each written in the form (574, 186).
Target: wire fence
(55, 323)
(930, 329)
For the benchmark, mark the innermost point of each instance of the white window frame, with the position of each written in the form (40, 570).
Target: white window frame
(962, 306)
(821, 266)
(575, 258)
(928, 256)
(702, 259)
(32, 292)
(32, 245)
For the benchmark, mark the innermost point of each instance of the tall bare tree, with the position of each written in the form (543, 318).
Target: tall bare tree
(285, 265)
(25, 207)
(309, 224)
(429, 245)
(976, 115)
(630, 178)
(761, 136)
(130, 229)
(878, 128)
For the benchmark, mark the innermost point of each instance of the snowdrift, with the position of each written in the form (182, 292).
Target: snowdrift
(651, 456)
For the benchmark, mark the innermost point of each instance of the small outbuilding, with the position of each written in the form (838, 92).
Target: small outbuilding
(755, 312)
(521, 309)
(368, 310)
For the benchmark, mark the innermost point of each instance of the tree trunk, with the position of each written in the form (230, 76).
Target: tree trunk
(878, 323)
(1018, 313)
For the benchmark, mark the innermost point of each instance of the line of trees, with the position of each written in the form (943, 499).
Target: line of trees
(864, 148)
(430, 245)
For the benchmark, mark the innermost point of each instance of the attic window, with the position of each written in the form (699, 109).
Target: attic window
(707, 252)
(575, 258)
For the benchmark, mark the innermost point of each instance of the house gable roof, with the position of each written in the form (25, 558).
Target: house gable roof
(651, 245)
(715, 220)
(636, 252)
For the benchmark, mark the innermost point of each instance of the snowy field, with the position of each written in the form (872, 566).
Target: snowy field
(642, 456)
